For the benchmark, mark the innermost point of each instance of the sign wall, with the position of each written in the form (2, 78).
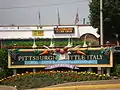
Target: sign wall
(30, 58)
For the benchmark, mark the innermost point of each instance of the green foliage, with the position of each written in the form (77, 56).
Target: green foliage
(4, 71)
(94, 13)
(47, 78)
(47, 43)
(116, 70)
(36, 52)
(111, 17)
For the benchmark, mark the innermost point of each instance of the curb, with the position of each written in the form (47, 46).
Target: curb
(8, 87)
(83, 87)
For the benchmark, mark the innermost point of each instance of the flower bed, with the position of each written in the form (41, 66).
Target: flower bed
(47, 78)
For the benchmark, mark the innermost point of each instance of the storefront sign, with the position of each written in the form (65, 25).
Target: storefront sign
(29, 58)
(37, 33)
(64, 30)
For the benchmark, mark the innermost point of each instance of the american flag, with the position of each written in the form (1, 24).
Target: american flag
(39, 18)
(58, 16)
(76, 18)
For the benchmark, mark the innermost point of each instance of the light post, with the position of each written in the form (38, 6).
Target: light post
(101, 23)
(101, 30)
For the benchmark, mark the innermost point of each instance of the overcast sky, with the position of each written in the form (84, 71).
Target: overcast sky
(20, 12)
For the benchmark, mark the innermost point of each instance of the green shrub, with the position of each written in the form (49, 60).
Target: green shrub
(4, 70)
(41, 43)
(116, 71)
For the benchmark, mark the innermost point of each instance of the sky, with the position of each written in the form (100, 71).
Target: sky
(26, 12)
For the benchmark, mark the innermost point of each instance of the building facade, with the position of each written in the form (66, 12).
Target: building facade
(50, 31)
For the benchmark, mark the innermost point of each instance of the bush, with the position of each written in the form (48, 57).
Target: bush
(41, 43)
(116, 71)
(4, 70)
(47, 78)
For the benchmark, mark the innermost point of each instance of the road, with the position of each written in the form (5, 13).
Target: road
(108, 89)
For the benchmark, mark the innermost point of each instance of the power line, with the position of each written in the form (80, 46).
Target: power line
(54, 4)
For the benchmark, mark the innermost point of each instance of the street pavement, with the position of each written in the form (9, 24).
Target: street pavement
(108, 89)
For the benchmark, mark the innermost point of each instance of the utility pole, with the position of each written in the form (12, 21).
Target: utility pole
(101, 32)
(100, 70)
(101, 22)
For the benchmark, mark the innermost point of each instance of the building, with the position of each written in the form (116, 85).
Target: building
(47, 31)
(84, 32)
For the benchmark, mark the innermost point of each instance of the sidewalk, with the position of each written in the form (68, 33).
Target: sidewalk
(7, 88)
(85, 85)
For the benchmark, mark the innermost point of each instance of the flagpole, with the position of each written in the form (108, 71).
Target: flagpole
(39, 18)
(100, 70)
(58, 16)
(76, 18)
(76, 22)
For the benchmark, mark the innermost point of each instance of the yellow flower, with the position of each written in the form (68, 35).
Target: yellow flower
(9, 77)
(88, 72)
(58, 71)
(62, 71)
(34, 72)
(31, 72)
(5, 78)
(2, 79)
(84, 72)
(91, 73)
(104, 75)
(13, 75)
(51, 71)
(18, 74)
(22, 74)
(72, 71)
(27, 72)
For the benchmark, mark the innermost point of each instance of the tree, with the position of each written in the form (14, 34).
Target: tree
(4, 70)
(111, 17)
